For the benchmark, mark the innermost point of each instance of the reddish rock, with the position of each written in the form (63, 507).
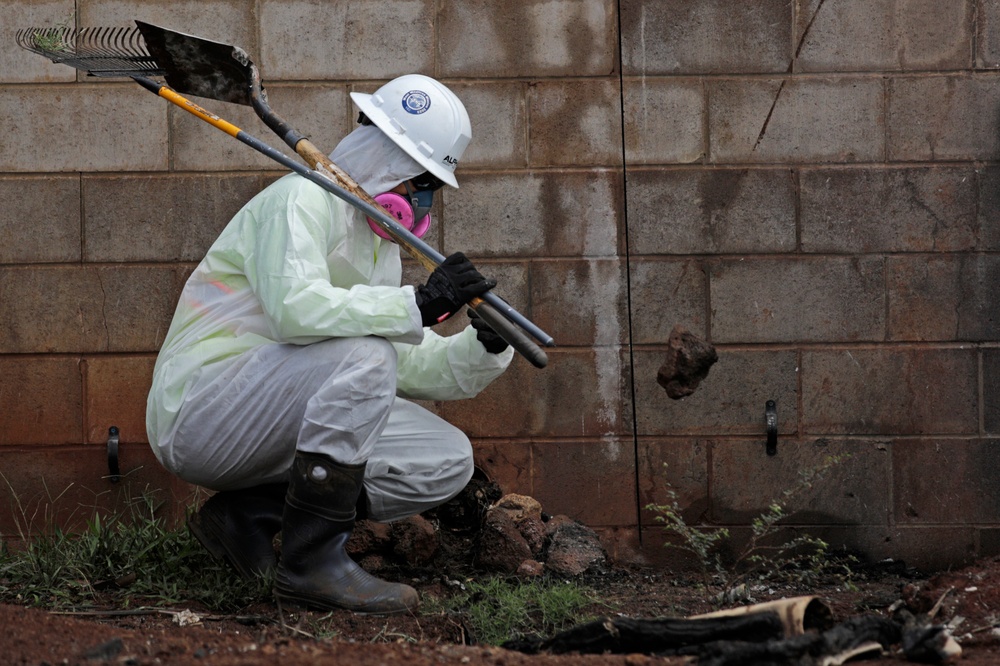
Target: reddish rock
(414, 540)
(688, 361)
(520, 507)
(368, 537)
(530, 569)
(501, 546)
(533, 531)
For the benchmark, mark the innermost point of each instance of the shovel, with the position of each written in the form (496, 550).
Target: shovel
(213, 70)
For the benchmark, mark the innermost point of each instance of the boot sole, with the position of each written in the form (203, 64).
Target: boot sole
(305, 602)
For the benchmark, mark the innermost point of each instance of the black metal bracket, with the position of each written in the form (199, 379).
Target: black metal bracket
(771, 421)
(113, 455)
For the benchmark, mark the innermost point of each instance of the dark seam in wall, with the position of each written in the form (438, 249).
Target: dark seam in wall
(628, 278)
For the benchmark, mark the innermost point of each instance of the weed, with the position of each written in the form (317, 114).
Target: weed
(803, 559)
(131, 558)
(498, 609)
(55, 40)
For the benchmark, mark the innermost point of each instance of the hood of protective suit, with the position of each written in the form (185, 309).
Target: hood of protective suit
(374, 161)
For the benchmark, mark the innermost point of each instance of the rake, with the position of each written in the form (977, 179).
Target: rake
(213, 70)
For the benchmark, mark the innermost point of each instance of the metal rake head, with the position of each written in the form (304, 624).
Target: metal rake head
(101, 52)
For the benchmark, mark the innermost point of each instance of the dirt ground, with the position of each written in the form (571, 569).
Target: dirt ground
(258, 635)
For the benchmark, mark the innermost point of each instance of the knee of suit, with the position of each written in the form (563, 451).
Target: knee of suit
(368, 365)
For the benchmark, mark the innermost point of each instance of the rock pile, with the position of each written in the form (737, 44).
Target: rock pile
(483, 531)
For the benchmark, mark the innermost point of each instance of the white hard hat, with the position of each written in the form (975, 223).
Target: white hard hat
(422, 117)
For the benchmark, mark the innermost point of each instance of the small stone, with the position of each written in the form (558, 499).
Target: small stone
(520, 507)
(530, 569)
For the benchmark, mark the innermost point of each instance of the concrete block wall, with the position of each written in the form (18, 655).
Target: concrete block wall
(808, 184)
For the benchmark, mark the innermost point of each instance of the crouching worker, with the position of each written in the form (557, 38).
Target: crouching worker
(283, 379)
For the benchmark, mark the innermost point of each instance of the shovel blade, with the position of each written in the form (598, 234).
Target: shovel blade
(200, 67)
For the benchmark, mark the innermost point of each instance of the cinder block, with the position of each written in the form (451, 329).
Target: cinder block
(581, 303)
(943, 117)
(949, 481)
(92, 127)
(138, 305)
(507, 463)
(624, 546)
(575, 123)
(40, 219)
(592, 481)
(989, 207)
(949, 297)
(796, 120)
(890, 390)
(705, 37)
(934, 548)
(117, 387)
(988, 34)
(88, 309)
(783, 300)
(321, 113)
(369, 39)
(989, 542)
(42, 400)
(991, 391)
(19, 65)
(66, 486)
(498, 113)
(484, 39)
(662, 551)
(680, 465)
(143, 217)
(818, 482)
(551, 214)
(228, 21)
(883, 35)
(198, 146)
(664, 294)
(730, 400)
(51, 309)
(579, 394)
(867, 210)
(664, 120)
(709, 211)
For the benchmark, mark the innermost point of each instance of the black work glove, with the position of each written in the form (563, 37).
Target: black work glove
(452, 284)
(487, 336)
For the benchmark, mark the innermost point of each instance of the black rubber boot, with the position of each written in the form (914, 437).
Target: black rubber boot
(239, 526)
(315, 570)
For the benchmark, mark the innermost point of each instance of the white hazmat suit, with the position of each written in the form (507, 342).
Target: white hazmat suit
(294, 333)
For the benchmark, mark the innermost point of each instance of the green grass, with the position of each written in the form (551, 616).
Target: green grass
(134, 559)
(127, 559)
(498, 609)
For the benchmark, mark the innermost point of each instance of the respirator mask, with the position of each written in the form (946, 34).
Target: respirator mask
(412, 210)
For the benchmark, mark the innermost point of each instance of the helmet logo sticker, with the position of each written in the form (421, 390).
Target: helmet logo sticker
(416, 102)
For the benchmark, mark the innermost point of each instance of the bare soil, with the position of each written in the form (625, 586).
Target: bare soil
(261, 635)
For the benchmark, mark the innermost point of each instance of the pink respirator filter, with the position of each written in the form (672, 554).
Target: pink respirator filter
(400, 209)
